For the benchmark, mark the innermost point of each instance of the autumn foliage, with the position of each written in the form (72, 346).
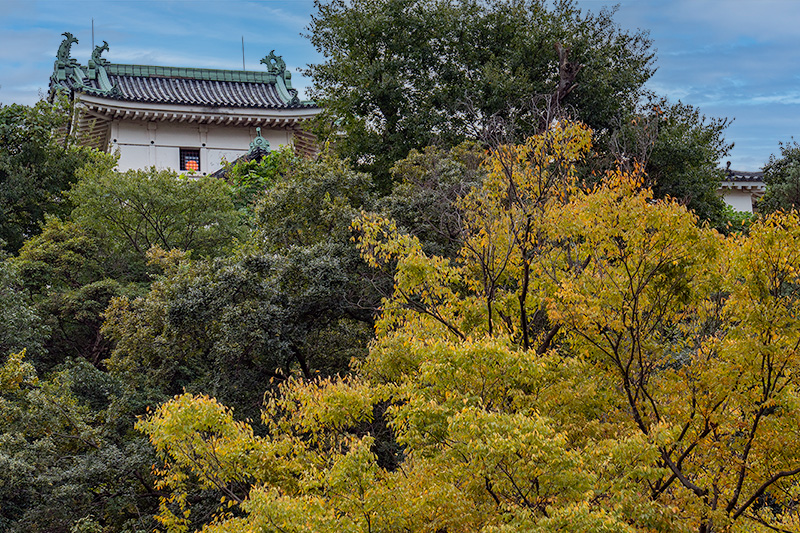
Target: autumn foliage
(593, 360)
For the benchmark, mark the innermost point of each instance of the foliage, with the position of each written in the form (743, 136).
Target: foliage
(249, 179)
(21, 326)
(405, 74)
(314, 203)
(655, 391)
(63, 254)
(680, 151)
(66, 467)
(256, 316)
(505, 218)
(290, 301)
(138, 209)
(38, 163)
(65, 435)
(71, 277)
(428, 188)
(782, 178)
(737, 221)
(684, 163)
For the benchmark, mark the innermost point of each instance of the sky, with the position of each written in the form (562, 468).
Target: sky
(736, 59)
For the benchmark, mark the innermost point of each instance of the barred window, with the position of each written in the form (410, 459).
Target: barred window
(190, 159)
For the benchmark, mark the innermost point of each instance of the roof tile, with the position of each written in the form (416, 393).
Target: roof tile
(174, 90)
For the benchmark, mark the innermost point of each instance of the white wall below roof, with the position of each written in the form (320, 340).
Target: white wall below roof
(145, 144)
(740, 200)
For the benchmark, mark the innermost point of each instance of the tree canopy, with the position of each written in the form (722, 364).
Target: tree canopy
(782, 178)
(495, 302)
(404, 74)
(139, 209)
(38, 163)
(680, 151)
(593, 360)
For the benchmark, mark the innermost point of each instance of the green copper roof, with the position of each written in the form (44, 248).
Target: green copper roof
(148, 71)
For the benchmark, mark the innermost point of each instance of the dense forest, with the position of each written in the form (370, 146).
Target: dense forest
(505, 297)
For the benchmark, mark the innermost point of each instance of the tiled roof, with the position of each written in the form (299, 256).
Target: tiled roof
(174, 85)
(196, 92)
(741, 175)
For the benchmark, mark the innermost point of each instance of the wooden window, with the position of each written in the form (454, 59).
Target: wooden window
(190, 159)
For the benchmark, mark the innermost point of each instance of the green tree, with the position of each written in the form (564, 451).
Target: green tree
(230, 327)
(71, 276)
(290, 301)
(429, 186)
(782, 178)
(249, 179)
(38, 163)
(21, 324)
(138, 209)
(403, 74)
(66, 454)
(679, 150)
(314, 202)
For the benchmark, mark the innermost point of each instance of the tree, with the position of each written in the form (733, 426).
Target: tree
(314, 202)
(138, 209)
(38, 163)
(662, 401)
(21, 324)
(405, 74)
(426, 198)
(66, 456)
(290, 301)
(249, 179)
(71, 276)
(230, 327)
(782, 178)
(66, 436)
(679, 150)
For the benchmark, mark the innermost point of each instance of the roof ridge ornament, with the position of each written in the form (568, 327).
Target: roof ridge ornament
(65, 48)
(68, 74)
(66, 67)
(98, 50)
(276, 66)
(97, 71)
(259, 144)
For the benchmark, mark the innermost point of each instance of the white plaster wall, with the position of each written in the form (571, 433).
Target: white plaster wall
(144, 144)
(169, 156)
(738, 199)
(130, 132)
(133, 156)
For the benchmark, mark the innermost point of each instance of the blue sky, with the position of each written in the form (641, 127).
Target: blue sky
(731, 58)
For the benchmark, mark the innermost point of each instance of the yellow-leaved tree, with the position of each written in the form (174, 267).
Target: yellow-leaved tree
(592, 361)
